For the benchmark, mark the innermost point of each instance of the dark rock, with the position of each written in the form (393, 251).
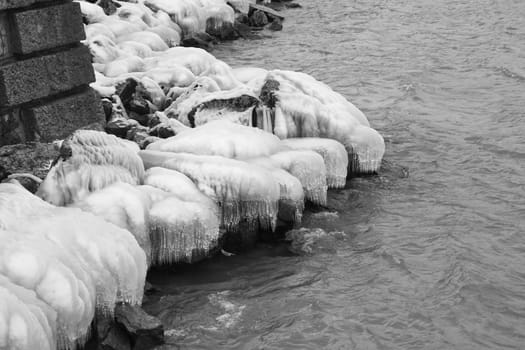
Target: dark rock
(271, 14)
(141, 118)
(107, 105)
(258, 19)
(33, 158)
(145, 331)
(244, 30)
(200, 40)
(275, 26)
(116, 339)
(126, 89)
(267, 92)
(220, 29)
(293, 5)
(162, 130)
(31, 184)
(120, 126)
(109, 7)
(3, 173)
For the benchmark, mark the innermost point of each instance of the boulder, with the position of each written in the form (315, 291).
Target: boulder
(145, 331)
(258, 19)
(33, 158)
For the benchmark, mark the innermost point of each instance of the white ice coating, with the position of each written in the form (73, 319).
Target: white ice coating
(309, 108)
(185, 225)
(26, 322)
(38, 265)
(182, 231)
(75, 262)
(244, 191)
(291, 200)
(93, 161)
(333, 153)
(309, 168)
(221, 138)
(125, 206)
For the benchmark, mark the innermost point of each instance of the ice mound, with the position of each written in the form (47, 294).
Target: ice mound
(89, 161)
(291, 199)
(125, 206)
(305, 107)
(26, 322)
(243, 191)
(74, 262)
(184, 226)
(333, 153)
(308, 167)
(221, 138)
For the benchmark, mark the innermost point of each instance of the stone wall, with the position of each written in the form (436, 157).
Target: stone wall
(44, 72)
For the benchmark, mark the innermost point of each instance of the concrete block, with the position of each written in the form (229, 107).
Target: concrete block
(11, 4)
(39, 77)
(59, 118)
(47, 28)
(11, 130)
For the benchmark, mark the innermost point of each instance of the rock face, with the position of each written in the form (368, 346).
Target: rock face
(145, 331)
(33, 158)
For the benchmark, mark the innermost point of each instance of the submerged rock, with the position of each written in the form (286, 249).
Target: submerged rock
(305, 241)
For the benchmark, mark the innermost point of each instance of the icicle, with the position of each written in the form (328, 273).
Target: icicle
(110, 255)
(182, 231)
(309, 168)
(291, 200)
(334, 154)
(243, 191)
(305, 107)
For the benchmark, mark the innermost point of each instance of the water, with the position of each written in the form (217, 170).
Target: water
(434, 260)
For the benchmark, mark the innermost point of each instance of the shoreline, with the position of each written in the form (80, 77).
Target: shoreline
(147, 106)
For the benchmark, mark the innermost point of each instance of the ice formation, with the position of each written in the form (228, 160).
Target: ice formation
(291, 199)
(89, 161)
(221, 138)
(243, 191)
(124, 205)
(74, 262)
(184, 226)
(26, 322)
(305, 107)
(333, 153)
(308, 167)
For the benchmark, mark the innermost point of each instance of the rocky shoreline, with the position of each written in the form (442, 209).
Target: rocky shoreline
(206, 157)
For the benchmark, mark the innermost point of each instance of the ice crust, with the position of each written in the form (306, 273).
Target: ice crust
(74, 262)
(333, 153)
(90, 161)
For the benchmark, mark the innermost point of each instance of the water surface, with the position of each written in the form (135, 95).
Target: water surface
(434, 260)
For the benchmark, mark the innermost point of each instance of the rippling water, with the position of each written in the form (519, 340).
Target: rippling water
(435, 260)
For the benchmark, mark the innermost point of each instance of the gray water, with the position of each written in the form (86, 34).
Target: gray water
(435, 260)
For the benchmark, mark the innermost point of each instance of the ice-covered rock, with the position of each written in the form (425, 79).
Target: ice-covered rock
(309, 168)
(89, 161)
(333, 153)
(184, 226)
(305, 107)
(221, 138)
(125, 206)
(243, 191)
(73, 261)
